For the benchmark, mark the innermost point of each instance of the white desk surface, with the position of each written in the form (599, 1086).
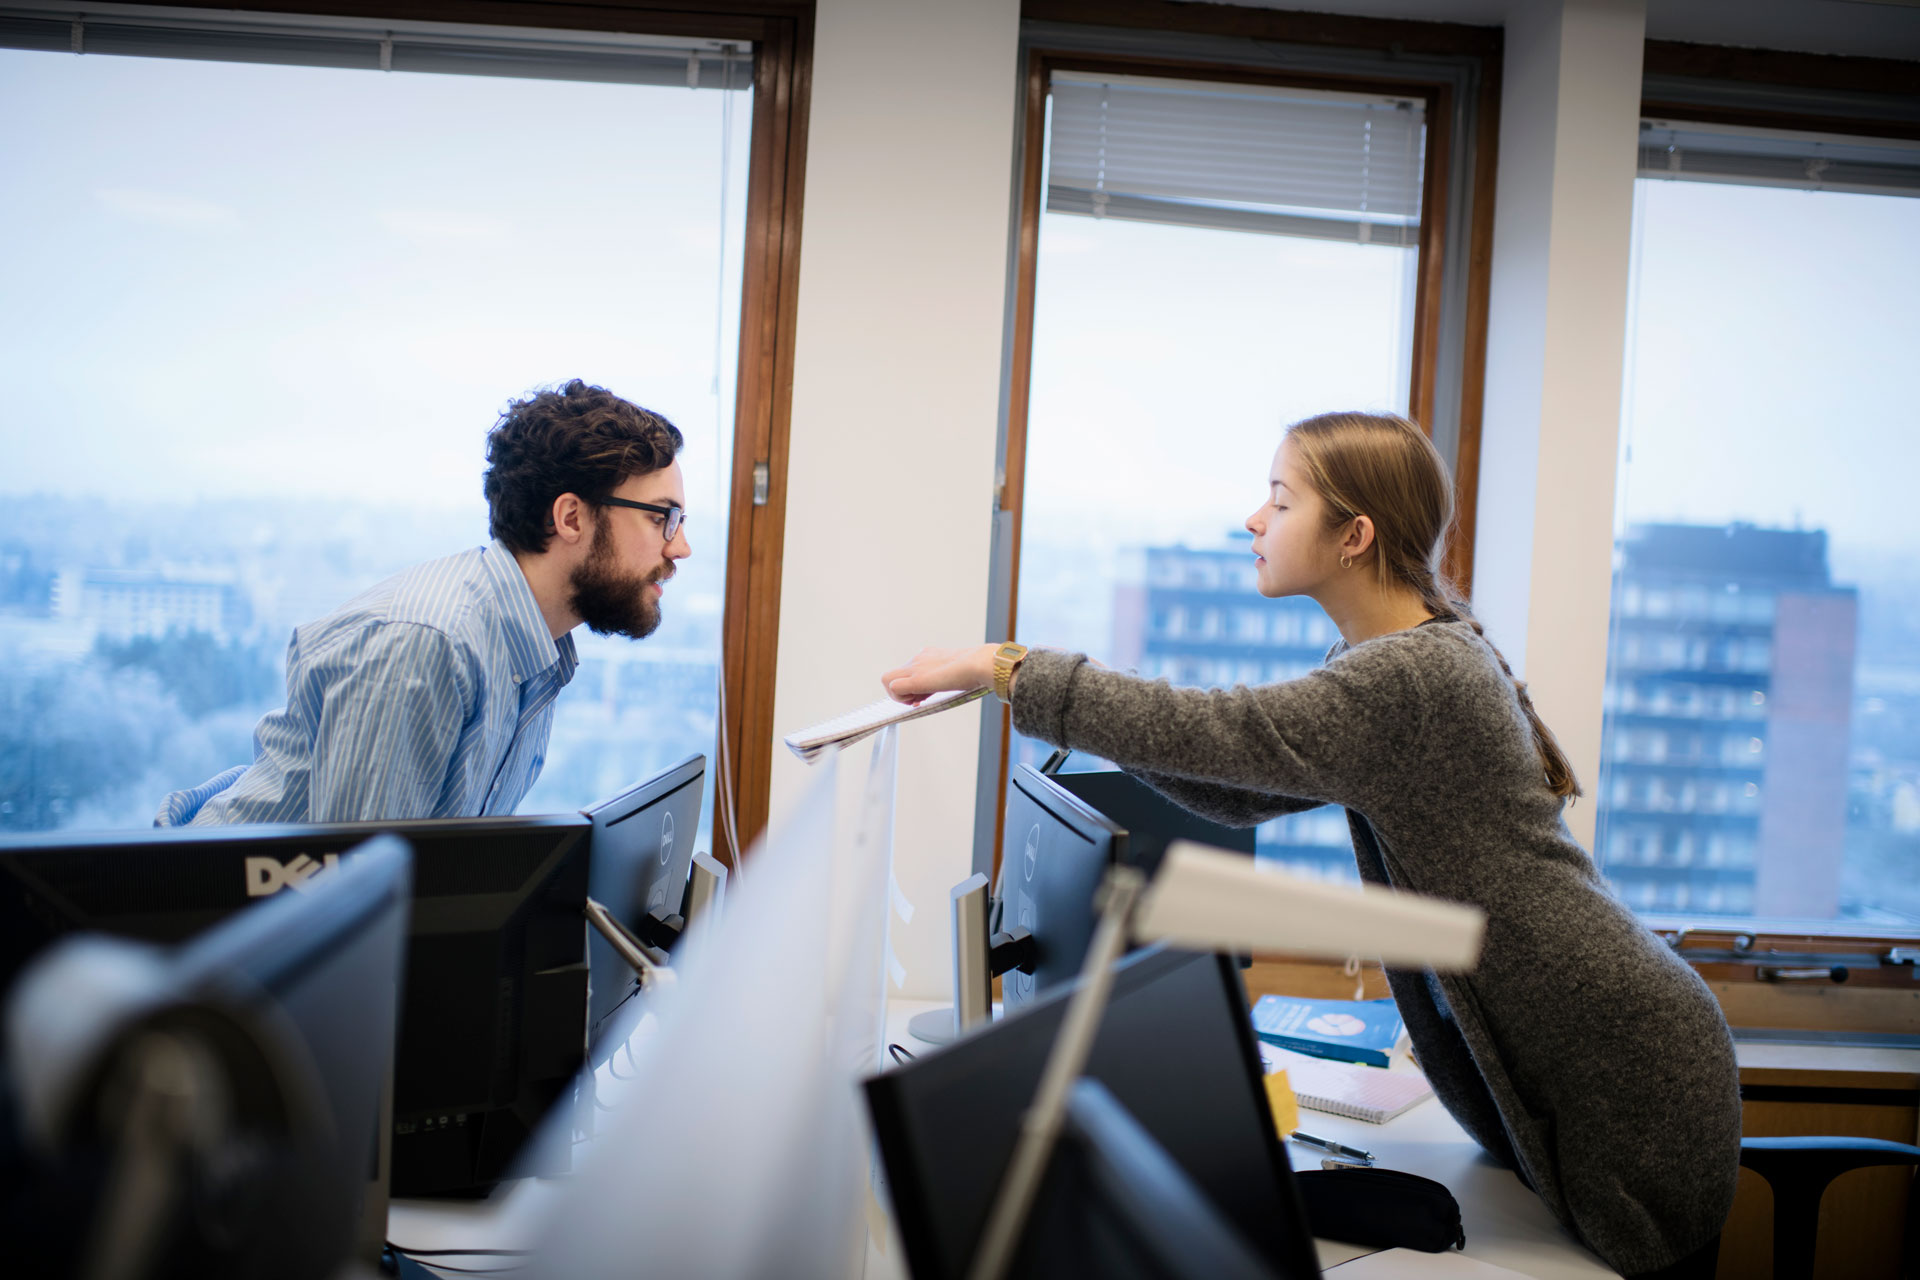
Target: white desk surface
(1506, 1225)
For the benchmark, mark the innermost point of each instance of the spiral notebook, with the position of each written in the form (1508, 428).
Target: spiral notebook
(1372, 1094)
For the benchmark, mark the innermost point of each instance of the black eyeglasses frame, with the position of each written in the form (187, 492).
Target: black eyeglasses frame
(675, 515)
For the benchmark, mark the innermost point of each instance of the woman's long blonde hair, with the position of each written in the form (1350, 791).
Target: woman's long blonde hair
(1384, 467)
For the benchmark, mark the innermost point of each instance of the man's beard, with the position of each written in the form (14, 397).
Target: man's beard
(611, 602)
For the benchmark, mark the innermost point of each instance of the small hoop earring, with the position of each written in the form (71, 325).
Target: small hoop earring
(1346, 562)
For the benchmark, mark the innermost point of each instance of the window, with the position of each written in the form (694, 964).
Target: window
(263, 316)
(1765, 588)
(1214, 258)
(1140, 342)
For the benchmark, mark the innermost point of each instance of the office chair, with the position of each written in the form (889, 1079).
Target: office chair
(1798, 1170)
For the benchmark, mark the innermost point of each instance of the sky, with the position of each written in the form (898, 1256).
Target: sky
(329, 292)
(1167, 360)
(1770, 352)
(1770, 370)
(222, 279)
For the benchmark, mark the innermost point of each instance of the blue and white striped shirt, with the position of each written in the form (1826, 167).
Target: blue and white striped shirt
(427, 696)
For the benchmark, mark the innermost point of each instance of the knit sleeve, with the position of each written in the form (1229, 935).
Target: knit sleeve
(1337, 735)
(1217, 802)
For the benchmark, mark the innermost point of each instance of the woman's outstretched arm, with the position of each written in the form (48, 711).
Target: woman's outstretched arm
(1228, 806)
(1337, 735)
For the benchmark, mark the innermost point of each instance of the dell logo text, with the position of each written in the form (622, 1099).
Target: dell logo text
(267, 876)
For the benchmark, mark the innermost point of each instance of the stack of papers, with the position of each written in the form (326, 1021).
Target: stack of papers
(1347, 1088)
(842, 731)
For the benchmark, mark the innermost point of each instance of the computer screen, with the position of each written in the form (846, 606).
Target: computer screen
(1057, 849)
(642, 846)
(1151, 820)
(1114, 1204)
(493, 1012)
(266, 1042)
(1175, 1048)
(331, 961)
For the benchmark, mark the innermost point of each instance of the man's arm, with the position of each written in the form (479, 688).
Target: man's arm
(390, 720)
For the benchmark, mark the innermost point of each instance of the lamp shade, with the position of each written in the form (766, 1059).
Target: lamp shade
(1208, 900)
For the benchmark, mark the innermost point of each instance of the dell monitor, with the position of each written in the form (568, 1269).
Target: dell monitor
(493, 1011)
(1175, 1048)
(333, 961)
(1151, 820)
(287, 1012)
(643, 842)
(1058, 847)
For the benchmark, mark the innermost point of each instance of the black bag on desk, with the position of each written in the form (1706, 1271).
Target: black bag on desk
(1383, 1207)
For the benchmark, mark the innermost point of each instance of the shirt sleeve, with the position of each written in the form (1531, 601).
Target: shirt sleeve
(1338, 735)
(391, 716)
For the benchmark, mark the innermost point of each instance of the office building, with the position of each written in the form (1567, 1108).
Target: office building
(124, 603)
(1724, 784)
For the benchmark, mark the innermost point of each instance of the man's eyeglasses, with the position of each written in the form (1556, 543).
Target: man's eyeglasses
(675, 516)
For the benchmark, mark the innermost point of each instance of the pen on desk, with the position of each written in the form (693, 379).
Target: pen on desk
(1339, 1149)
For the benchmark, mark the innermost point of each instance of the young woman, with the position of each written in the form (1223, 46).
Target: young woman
(1581, 1051)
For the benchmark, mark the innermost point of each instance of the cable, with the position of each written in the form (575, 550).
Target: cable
(723, 788)
(467, 1271)
(901, 1054)
(424, 1258)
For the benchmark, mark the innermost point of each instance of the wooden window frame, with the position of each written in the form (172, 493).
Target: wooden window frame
(1435, 91)
(781, 33)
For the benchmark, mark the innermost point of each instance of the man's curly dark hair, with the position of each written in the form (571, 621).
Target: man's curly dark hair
(576, 439)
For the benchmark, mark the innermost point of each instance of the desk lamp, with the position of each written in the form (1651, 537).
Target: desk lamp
(1211, 901)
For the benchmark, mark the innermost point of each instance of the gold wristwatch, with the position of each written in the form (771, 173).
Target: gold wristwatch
(1005, 659)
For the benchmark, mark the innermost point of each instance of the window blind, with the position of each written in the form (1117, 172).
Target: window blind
(375, 45)
(1770, 158)
(1243, 157)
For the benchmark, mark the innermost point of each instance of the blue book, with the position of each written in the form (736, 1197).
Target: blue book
(1352, 1030)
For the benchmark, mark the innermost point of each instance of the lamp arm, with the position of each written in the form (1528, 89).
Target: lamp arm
(649, 964)
(1041, 1124)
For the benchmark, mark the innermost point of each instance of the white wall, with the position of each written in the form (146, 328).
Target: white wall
(895, 402)
(1563, 219)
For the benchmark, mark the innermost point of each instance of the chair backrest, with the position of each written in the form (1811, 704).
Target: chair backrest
(1799, 1169)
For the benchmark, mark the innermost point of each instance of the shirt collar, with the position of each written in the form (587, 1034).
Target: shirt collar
(530, 646)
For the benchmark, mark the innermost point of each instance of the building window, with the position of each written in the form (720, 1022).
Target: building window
(265, 314)
(1764, 581)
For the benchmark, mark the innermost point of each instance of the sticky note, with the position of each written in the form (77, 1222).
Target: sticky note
(1286, 1111)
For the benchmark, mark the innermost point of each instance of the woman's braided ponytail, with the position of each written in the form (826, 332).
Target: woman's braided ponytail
(1385, 467)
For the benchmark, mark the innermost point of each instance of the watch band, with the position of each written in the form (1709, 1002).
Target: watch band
(1005, 659)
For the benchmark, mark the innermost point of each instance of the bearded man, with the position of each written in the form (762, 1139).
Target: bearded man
(431, 695)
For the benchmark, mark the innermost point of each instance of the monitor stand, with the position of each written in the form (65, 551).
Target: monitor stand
(972, 970)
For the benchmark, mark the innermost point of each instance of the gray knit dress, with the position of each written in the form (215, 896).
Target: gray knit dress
(1580, 1052)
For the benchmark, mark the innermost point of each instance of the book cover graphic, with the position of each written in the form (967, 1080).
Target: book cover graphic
(1351, 1030)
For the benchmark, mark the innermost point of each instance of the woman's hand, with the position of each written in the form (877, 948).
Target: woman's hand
(937, 670)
